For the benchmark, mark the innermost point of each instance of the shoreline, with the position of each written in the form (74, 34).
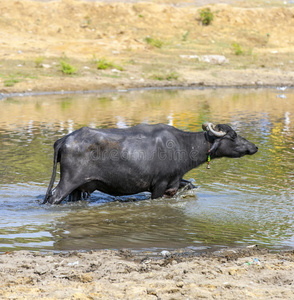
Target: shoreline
(238, 273)
(4, 96)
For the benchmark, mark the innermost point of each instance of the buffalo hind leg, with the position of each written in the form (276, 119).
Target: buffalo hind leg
(62, 190)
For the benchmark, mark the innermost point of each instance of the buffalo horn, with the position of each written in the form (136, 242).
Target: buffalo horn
(209, 126)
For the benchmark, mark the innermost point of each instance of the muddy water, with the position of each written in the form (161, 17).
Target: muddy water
(238, 201)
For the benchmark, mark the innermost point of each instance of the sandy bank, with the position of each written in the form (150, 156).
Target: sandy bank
(247, 273)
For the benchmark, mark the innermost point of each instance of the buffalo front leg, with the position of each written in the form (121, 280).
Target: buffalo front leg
(170, 192)
(165, 189)
(172, 188)
(158, 190)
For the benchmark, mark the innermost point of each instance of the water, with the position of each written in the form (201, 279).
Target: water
(239, 201)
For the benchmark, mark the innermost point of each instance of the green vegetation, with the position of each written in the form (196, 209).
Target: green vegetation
(238, 49)
(11, 82)
(39, 61)
(110, 75)
(104, 64)
(268, 35)
(165, 76)
(88, 20)
(67, 68)
(131, 62)
(185, 36)
(206, 16)
(153, 42)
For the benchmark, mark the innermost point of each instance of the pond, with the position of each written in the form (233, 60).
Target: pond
(238, 202)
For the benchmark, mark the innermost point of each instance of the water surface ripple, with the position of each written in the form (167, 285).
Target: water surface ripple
(238, 201)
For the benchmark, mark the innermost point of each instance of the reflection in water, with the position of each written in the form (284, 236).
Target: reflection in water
(240, 201)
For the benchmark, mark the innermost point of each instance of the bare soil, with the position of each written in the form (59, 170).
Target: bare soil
(247, 273)
(152, 43)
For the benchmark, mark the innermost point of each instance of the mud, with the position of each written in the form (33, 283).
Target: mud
(248, 273)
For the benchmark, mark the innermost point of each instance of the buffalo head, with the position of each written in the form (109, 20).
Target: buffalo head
(226, 142)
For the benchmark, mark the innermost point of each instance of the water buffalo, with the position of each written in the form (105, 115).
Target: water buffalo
(142, 158)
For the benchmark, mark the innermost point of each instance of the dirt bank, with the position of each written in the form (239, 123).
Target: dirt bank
(229, 274)
(139, 44)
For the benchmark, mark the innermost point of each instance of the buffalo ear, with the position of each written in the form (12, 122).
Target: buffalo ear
(231, 134)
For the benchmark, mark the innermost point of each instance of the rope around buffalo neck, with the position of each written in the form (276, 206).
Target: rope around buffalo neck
(208, 156)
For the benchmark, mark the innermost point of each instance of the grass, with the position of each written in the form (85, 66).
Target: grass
(169, 76)
(238, 49)
(11, 82)
(67, 68)
(153, 42)
(104, 64)
(39, 61)
(158, 65)
(206, 16)
(86, 21)
(110, 76)
(185, 36)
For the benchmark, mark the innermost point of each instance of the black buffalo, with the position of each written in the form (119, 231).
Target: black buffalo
(142, 158)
